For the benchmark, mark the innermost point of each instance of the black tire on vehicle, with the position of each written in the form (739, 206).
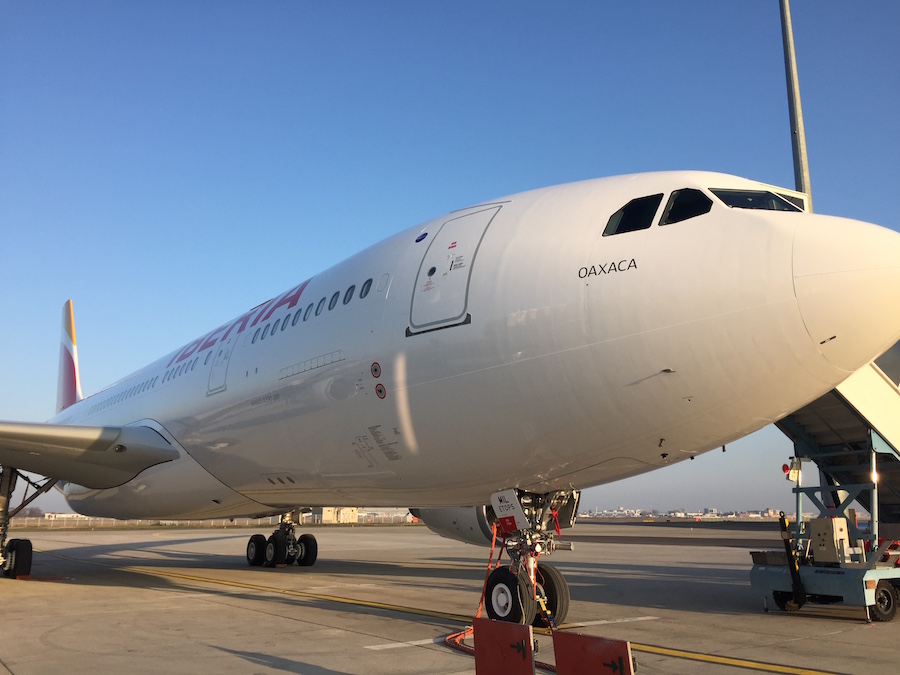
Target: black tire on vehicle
(10, 557)
(785, 601)
(18, 558)
(256, 550)
(276, 550)
(885, 607)
(309, 550)
(552, 584)
(509, 597)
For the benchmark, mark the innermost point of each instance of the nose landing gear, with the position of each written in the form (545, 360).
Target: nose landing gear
(528, 592)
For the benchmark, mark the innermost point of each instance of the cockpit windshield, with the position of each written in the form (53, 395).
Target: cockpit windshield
(754, 199)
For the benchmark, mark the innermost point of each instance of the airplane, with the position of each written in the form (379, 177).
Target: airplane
(482, 368)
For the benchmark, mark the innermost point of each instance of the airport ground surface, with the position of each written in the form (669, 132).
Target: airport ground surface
(180, 601)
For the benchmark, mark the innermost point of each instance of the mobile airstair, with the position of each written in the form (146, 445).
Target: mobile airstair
(852, 436)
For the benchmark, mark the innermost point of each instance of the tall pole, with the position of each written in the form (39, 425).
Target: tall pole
(798, 138)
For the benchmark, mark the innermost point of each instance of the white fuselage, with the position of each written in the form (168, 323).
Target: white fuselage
(511, 346)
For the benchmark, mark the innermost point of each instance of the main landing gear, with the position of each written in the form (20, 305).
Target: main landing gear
(283, 547)
(15, 554)
(526, 591)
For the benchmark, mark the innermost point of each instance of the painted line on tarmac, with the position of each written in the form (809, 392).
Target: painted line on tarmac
(414, 643)
(727, 660)
(458, 618)
(604, 622)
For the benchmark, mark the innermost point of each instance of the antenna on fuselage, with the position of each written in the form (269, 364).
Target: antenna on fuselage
(798, 137)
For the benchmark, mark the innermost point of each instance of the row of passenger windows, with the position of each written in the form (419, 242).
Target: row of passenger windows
(689, 203)
(185, 368)
(150, 383)
(312, 309)
(123, 395)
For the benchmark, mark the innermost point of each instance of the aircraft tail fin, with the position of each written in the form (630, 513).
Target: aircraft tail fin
(69, 385)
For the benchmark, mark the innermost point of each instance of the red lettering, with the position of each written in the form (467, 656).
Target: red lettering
(210, 340)
(186, 352)
(291, 298)
(263, 312)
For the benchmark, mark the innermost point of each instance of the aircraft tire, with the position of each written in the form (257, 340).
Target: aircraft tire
(256, 550)
(276, 550)
(18, 558)
(309, 550)
(509, 597)
(10, 557)
(555, 589)
(885, 607)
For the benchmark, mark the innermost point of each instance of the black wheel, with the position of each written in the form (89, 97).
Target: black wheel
(510, 597)
(785, 601)
(885, 606)
(552, 585)
(309, 550)
(10, 557)
(18, 558)
(256, 550)
(276, 550)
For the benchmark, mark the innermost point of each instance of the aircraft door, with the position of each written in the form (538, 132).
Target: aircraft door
(219, 369)
(441, 294)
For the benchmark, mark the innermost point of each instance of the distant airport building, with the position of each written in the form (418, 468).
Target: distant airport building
(329, 515)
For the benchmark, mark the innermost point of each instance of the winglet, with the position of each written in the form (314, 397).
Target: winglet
(69, 386)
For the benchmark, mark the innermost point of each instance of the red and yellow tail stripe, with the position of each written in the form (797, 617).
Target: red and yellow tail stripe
(69, 385)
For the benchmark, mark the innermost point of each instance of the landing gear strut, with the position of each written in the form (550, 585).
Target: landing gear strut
(15, 554)
(283, 547)
(528, 592)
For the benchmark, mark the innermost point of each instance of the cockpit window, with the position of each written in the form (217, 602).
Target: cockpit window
(754, 199)
(684, 204)
(635, 215)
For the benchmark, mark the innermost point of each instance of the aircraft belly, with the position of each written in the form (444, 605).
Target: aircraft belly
(177, 489)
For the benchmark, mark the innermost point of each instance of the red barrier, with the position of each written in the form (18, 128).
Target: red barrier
(585, 654)
(502, 647)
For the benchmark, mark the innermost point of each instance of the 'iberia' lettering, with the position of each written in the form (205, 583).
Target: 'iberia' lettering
(291, 298)
(262, 313)
(607, 268)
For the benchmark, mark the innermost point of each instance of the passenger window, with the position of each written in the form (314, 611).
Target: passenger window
(754, 199)
(275, 326)
(684, 204)
(308, 310)
(320, 306)
(334, 300)
(265, 331)
(366, 287)
(253, 341)
(348, 296)
(635, 215)
(296, 319)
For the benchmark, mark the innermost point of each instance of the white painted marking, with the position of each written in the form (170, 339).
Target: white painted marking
(607, 621)
(415, 643)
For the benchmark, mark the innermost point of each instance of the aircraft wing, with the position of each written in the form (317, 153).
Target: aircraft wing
(95, 457)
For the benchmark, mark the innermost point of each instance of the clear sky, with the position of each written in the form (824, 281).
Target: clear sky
(169, 164)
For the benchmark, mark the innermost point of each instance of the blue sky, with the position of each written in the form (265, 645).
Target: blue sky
(169, 164)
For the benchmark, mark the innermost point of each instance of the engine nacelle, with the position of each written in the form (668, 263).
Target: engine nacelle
(470, 524)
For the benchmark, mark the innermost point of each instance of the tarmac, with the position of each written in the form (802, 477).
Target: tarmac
(382, 599)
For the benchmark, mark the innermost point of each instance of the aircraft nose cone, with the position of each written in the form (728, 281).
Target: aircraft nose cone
(847, 283)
